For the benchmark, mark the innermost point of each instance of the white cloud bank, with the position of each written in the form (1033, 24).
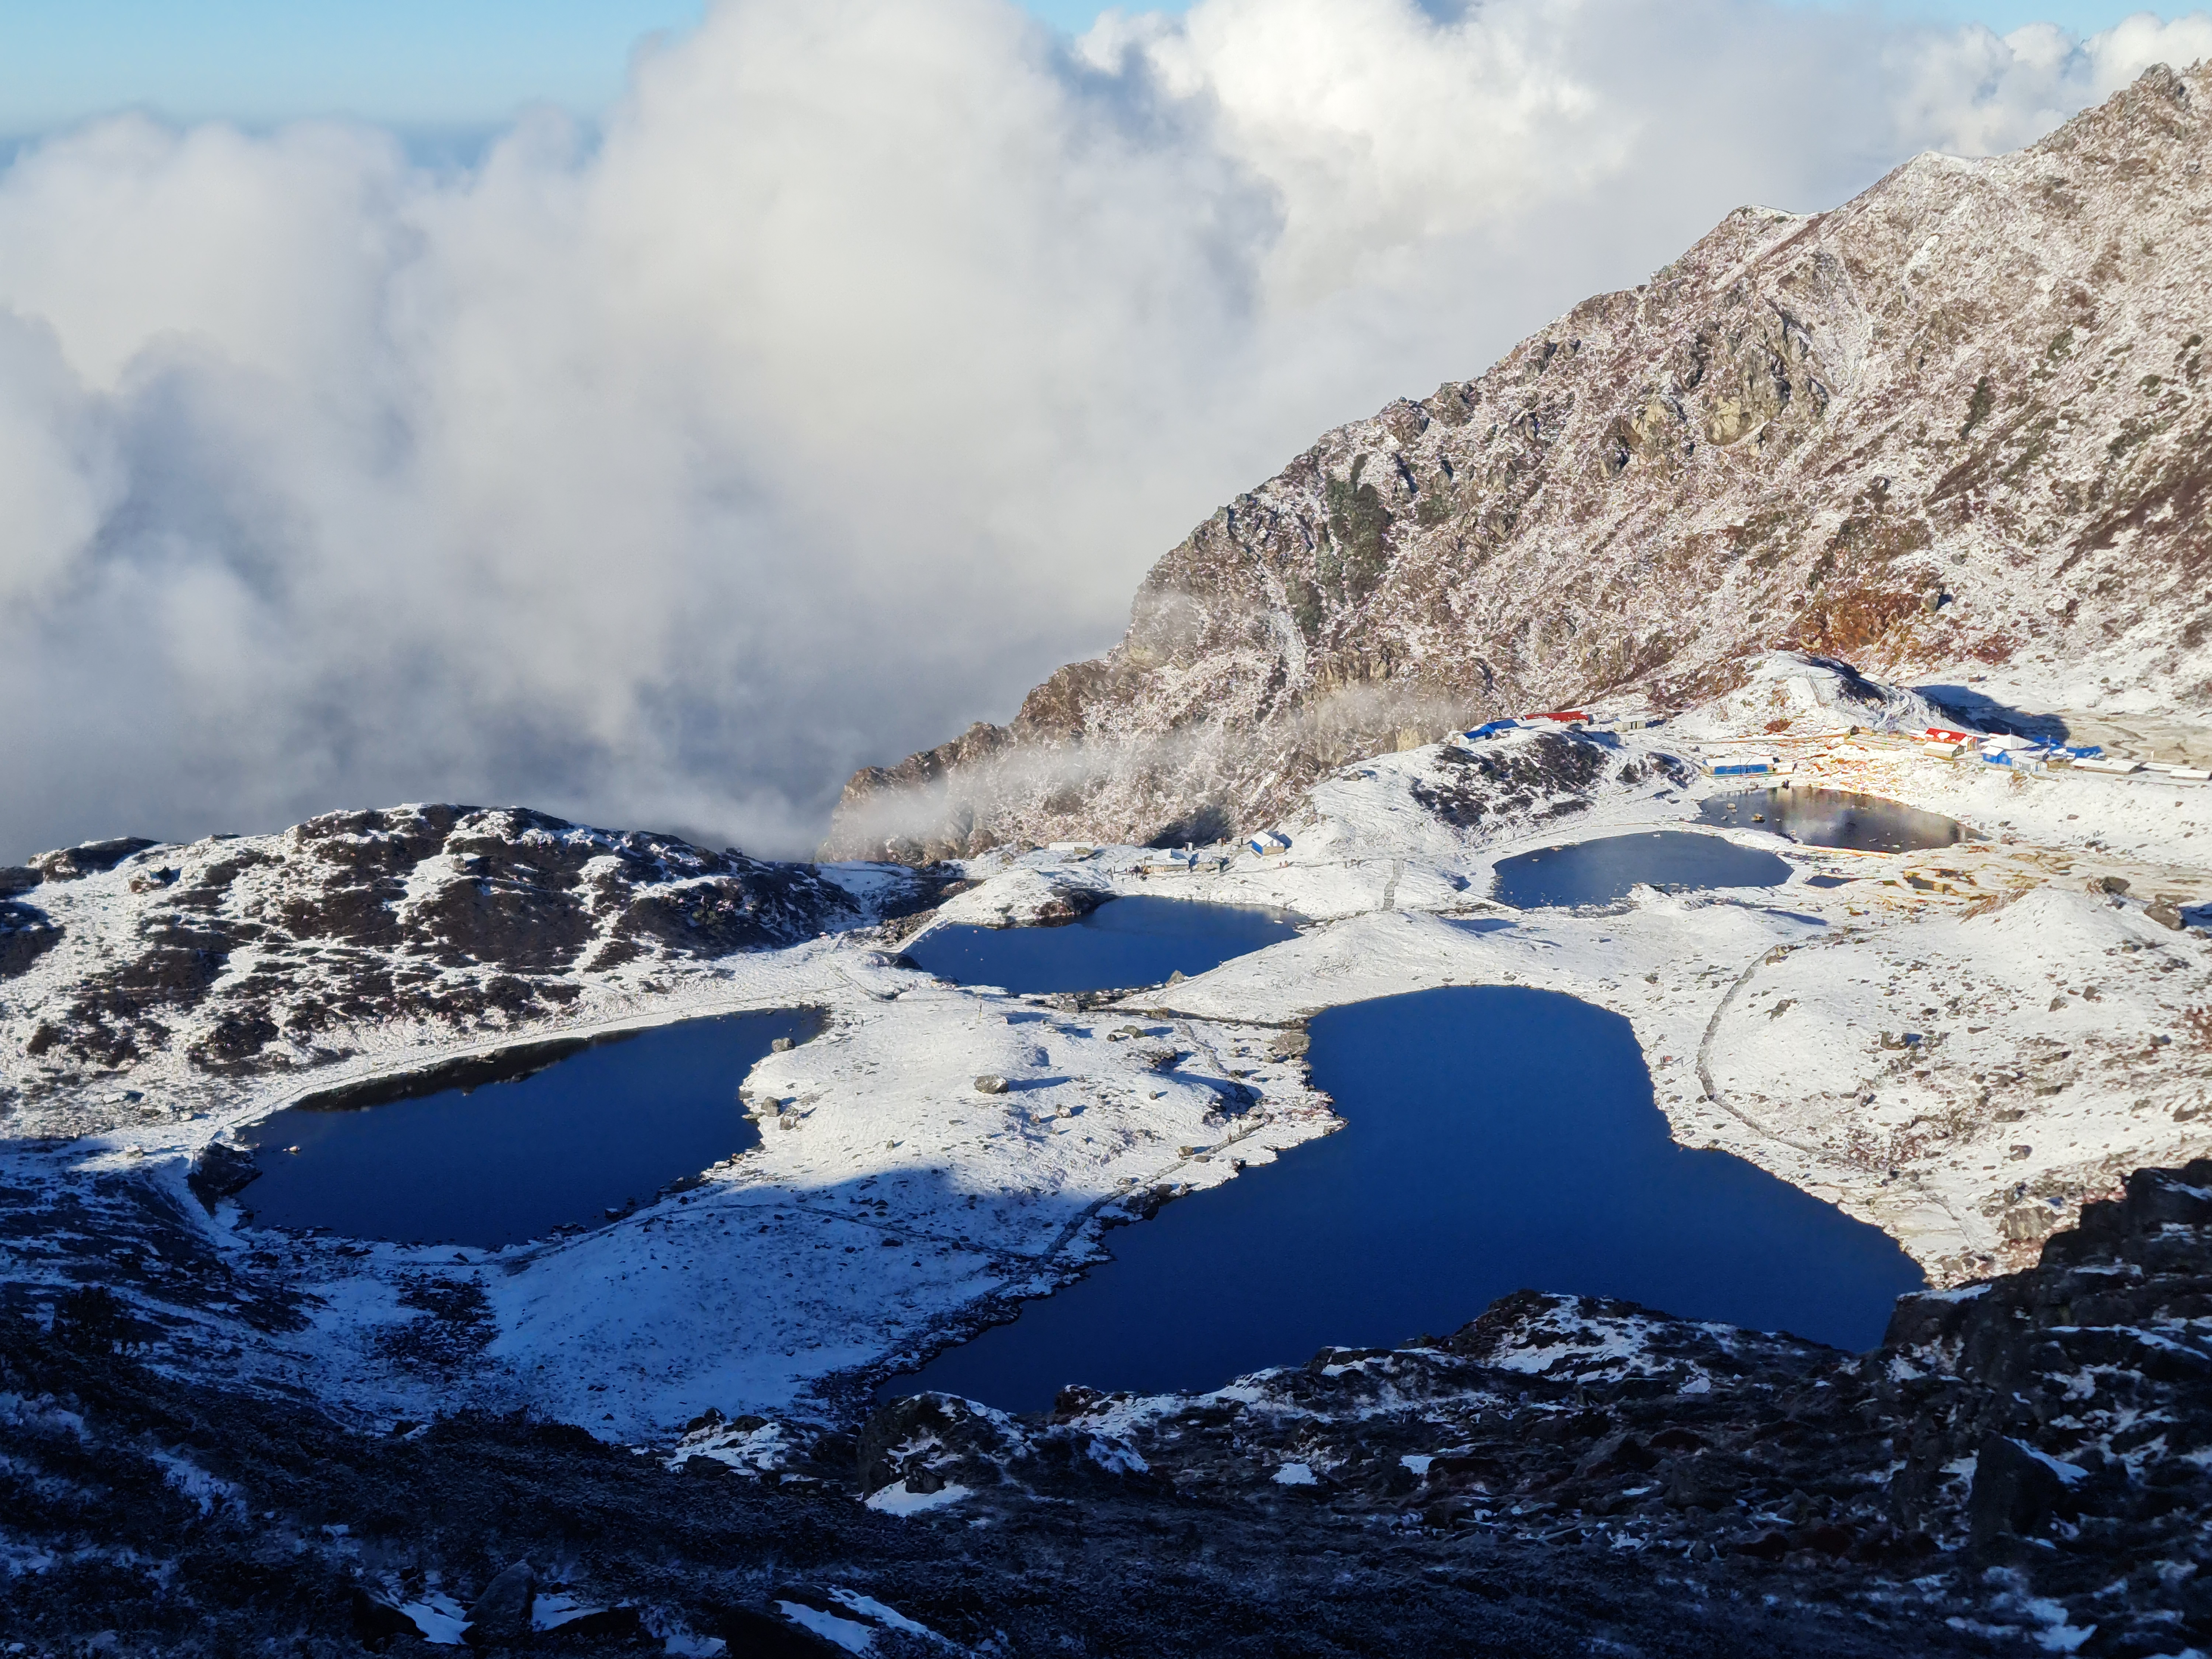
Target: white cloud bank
(842, 387)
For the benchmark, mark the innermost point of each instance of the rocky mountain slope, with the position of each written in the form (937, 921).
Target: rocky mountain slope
(244, 954)
(1959, 422)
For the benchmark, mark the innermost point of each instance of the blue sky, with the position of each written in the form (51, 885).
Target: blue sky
(431, 63)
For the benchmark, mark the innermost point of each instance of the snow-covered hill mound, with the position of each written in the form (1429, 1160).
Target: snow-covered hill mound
(254, 952)
(1790, 693)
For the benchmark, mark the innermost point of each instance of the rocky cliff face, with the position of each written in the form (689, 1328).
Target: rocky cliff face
(1959, 421)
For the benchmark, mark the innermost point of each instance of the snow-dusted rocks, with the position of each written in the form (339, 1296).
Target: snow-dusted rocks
(2020, 1466)
(1024, 898)
(239, 955)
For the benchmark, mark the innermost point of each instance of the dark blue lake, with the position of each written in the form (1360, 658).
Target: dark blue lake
(1835, 817)
(1495, 1139)
(1602, 871)
(508, 1146)
(1124, 942)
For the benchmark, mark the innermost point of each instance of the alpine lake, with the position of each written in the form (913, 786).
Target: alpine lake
(1495, 1138)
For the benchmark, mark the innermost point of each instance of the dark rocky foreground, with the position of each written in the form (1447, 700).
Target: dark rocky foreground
(2020, 1467)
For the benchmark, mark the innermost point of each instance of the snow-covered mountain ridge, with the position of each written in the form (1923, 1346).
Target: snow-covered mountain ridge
(1955, 426)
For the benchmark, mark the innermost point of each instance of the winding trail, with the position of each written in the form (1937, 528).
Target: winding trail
(1704, 1053)
(1713, 1092)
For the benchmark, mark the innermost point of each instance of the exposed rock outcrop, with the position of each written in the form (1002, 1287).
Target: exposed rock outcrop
(1960, 420)
(252, 951)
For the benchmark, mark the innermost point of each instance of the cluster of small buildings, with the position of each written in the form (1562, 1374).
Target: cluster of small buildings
(1993, 748)
(2007, 748)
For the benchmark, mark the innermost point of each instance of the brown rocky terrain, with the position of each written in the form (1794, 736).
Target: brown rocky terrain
(1959, 422)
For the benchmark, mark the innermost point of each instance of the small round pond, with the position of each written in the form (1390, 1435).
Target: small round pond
(1496, 1138)
(1602, 871)
(512, 1146)
(1124, 942)
(1835, 817)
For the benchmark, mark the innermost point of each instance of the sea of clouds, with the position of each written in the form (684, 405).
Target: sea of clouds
(831, 390)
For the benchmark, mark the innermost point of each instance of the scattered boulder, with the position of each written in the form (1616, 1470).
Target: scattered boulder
(917, 1437)
(377, 1622)
(2015, 1491)
(219, 1171)
(501, 1613)
(26, 934)
(764, 1636)
(1700, 1483)
(990, 1083)
(611, 1625)
(1617, 1454)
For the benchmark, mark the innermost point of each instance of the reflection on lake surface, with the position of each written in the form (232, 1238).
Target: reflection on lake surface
(1124, 942)
(1495, 1139)
(1835, 817)
(1600, 871)
(508, 1147)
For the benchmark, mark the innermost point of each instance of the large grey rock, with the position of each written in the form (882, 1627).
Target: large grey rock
(26, 934)
(74, 863)
(377, 1623)
(2015, 1492)
(501, 1613)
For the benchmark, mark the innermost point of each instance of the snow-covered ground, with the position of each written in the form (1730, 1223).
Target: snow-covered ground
(888, 1203)
(1959, 1046)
